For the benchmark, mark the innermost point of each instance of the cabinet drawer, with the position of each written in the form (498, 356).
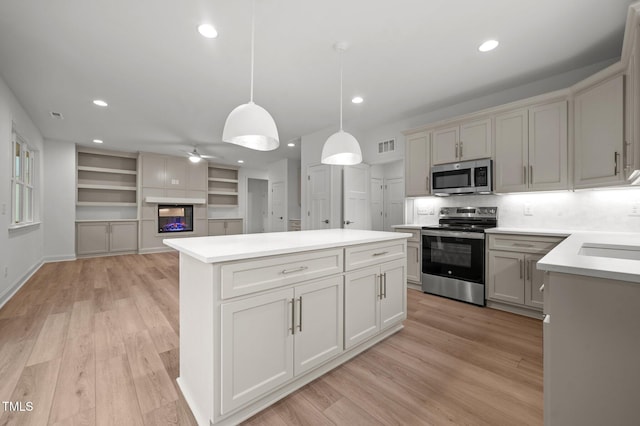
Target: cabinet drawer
(415, 234)
(521, 244)
(251, 276)
(356, 257)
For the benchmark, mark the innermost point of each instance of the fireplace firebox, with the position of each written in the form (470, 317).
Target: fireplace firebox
(175, 218)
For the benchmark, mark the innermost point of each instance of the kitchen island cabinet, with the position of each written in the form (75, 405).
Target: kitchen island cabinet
(263, 314)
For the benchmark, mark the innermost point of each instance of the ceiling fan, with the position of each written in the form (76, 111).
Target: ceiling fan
(196, 157)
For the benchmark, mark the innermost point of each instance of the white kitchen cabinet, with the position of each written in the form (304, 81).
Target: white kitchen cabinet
(414, 256)
(468, 141)
(417, 165)
(512, 276)
(531, 149)
(631, 153)
(599, 134)
(225, 227)
(375, 298)
(100, 238)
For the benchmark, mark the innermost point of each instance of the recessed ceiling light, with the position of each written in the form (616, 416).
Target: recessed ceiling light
(207, 30)
(291, 144)
(100, 103)
(241, 161)
(488, 45)
(98, 141)
(357, 100)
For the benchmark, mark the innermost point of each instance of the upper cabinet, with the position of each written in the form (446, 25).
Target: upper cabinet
(599, 134)
(632, 111)
(417, 165)
(531, 149)
(467, 141)
(106, 178)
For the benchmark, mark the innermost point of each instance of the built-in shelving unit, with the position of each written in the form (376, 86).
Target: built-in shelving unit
(223, 186)
(106, 178)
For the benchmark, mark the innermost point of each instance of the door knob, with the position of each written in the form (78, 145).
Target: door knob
(348, 222)
(326, 221)
(280, 217)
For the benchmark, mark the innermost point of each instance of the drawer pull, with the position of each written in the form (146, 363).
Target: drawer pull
(292, 329)
(380, 253)
(522, 245)
(291, 271)
(541, 288)
(385, 285)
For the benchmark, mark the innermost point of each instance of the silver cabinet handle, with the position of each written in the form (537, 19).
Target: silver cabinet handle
(531, 175)
(385, 285)
(526, 270)
(461, 150)
(520, 262)
(380, 253)
(427, 183)
(293, 316)
(300, 314)
(418, 255)
(615, 162)
(379, 284)
(524, 174)
(542, 288)
(290, 271)
(531, 270)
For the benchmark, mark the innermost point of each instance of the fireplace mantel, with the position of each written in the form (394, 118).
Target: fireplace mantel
(174, 200)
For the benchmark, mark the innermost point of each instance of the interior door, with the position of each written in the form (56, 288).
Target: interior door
(319, 189)
(355, 191)
(377, 204)
(393, 203)
(278, 206)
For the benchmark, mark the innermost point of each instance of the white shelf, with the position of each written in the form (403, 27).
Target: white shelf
(107, 170)
(223, 205)
(223, 180)
(104, 204)
(107, 187)
(223, 192)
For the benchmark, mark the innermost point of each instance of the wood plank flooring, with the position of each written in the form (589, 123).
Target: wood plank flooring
(95, 342)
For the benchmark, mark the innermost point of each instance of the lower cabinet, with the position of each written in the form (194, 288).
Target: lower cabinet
(512, 273)
(414, 255)
(99, 238)
(225, 227)
(269, 339)
(374, 299)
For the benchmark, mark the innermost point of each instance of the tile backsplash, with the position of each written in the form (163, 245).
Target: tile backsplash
(594, 210)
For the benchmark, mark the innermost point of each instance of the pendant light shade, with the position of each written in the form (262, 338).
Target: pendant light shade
(249, 124)
(341, 149)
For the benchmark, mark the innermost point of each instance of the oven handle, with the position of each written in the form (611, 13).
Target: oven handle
(454, 234)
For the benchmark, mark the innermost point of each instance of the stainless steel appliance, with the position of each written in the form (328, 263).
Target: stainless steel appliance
(453, 253)
(467, 177)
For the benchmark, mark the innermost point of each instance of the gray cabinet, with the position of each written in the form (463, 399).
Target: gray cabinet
(225, 227)
(469, 141)
(417, 165)
(101, 238)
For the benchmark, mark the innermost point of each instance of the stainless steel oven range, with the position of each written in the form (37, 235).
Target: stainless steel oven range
(453, 253)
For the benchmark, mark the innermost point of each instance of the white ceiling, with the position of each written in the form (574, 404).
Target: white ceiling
(168, 88)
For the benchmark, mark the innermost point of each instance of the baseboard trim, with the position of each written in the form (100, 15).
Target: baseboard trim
(155, 250)
(65, 258)
(11, 291)
(531, 313)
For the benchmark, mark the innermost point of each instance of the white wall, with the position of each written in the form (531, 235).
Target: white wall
(293, 188)
(21, 251)
(59, 213)
(594, 210)
(257, 205)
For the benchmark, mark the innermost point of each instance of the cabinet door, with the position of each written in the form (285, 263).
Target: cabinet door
(234, 227)
(444, 145)
(534, 278)
(599, 133)
(319, 333)
(257, 347)
(506, 276)
(176, 173)
(417, 165)
(475, 140)
(92, 238)
(511, 165)
(216, 227)
(548, 150)
(123, 236)
(361, 305)
(394, 293)
(414, 269)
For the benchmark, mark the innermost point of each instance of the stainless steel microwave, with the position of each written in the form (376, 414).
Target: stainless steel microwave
(466, 177)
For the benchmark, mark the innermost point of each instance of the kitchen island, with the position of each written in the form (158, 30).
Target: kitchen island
(592, 330)
(263, 314)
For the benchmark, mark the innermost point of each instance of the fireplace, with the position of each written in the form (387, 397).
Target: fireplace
(175, 218)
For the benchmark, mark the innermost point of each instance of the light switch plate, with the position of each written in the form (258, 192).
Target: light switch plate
(528, 209)
(635, 209)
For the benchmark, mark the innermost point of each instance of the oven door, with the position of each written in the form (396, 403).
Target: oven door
(458, 255)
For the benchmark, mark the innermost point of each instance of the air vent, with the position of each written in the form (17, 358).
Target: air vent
(56, 115)
(386, 146)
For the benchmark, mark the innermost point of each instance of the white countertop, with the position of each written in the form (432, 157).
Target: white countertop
(543, 232)
(246, 246)
(407, 226)
(566, 257)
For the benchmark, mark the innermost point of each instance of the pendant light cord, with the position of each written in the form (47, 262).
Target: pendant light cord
(253, 30)
(341, 90)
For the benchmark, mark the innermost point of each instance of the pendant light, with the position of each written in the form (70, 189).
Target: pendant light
(249, 124)
(341, 148)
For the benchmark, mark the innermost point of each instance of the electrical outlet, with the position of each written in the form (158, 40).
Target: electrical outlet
(528, 209)
(423, 211)
(635, 209)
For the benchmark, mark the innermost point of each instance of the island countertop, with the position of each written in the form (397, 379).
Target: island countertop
(246, 246)
(612, 255)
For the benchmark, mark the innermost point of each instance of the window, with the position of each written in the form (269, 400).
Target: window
(22, 181)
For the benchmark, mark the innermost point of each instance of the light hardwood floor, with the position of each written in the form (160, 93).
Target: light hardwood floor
(95, 342)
